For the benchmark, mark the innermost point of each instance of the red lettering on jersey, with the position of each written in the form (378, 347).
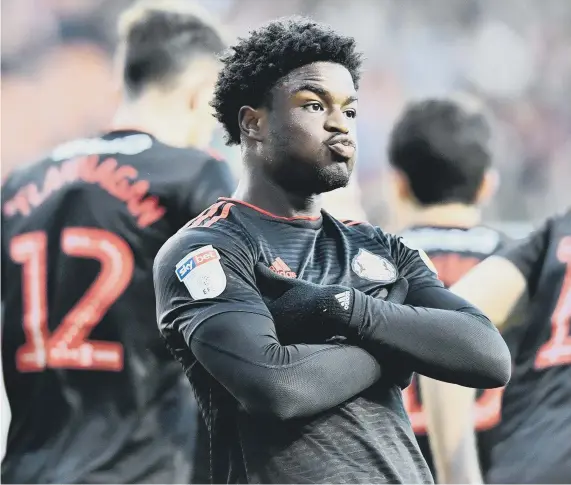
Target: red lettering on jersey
(114, 179)
(17, 204)
(206, 257)
(104, 173)
(33, 195)
(68, 346)
(119, 185)
(150, 211)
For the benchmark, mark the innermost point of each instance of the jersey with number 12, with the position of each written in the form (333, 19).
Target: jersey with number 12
(85, 370)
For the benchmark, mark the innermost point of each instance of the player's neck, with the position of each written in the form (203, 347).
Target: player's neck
(447, 215)
(262, 193)
(157, 119)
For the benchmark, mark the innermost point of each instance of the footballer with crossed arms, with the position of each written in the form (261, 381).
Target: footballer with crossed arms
(297, 330)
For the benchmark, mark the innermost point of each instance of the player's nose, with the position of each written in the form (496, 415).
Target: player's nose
(336, 122)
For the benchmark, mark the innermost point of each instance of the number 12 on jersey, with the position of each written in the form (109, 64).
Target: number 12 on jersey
(68, 346)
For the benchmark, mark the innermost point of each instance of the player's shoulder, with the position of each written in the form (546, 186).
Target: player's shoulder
(410, 258)
(192, 159)
(359, 231)
(357, 228)
(182, 155)
(220, 226)
(20, 177)
(375, 238)
(140, 149)
(111, 143)
(25, 173)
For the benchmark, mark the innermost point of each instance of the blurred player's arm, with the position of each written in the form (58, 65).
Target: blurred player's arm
(496, 286)
(232, 334)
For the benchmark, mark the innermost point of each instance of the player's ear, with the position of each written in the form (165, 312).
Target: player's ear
(252, 122)
(488, 187)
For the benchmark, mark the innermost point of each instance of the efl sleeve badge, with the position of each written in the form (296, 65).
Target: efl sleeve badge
(202, 273)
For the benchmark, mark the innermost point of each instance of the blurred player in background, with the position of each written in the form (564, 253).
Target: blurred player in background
(533, 442)
(256, 294)
(442, 173)
(94, 396)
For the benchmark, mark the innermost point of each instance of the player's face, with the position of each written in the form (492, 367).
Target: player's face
(311, 134)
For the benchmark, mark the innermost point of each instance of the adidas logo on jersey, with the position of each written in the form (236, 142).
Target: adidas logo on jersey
(344, 299)
(279, 267)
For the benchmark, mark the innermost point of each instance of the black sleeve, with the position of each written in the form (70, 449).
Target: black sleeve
(213, 181)
(242, 352)
(529, 255)
(437, 334)
(209, 309)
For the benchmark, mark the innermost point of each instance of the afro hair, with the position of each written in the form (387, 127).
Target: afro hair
(256, 63)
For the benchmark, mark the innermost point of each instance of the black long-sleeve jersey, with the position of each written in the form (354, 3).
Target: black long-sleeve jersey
(533, 443)
(454, 251)
(318, 413)
(94, 396)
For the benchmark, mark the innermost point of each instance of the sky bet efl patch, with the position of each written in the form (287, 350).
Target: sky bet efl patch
(202, 273)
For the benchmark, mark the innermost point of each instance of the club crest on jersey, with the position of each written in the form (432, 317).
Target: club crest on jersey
(202, 273)
(373, 267)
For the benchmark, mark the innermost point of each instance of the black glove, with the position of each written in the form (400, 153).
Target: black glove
(304, 312)
(308, 313)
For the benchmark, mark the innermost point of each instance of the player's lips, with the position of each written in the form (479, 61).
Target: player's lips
(342, 145)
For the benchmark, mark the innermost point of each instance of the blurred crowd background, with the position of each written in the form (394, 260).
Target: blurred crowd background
(58, 80)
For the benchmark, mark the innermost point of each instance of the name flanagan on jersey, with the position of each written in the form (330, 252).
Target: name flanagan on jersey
(116, 180)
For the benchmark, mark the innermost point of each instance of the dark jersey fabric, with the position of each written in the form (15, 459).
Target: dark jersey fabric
(366, 439)
(454, 251)
(93, 394)
(534, 444)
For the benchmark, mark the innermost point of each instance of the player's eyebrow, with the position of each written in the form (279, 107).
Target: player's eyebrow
(322, 92)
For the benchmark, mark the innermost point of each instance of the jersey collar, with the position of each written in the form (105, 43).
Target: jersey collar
(303, 221)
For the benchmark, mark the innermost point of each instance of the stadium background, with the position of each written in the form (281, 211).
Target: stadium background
(58, 83)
